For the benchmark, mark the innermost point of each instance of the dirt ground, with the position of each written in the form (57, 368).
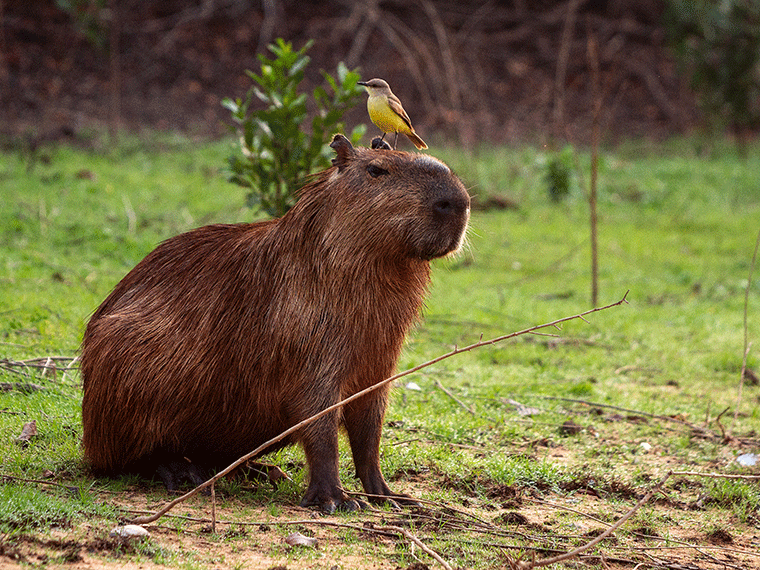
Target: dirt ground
(673, 531)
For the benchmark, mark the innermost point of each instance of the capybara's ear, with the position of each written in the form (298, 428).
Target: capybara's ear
(343, 149)
(380, 143)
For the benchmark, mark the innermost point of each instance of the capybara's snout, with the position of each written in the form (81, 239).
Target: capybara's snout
(448, 205)
(452, 202)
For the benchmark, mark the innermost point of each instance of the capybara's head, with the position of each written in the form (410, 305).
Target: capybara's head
(406, 204)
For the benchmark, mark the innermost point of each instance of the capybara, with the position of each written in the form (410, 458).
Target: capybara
(227, 335)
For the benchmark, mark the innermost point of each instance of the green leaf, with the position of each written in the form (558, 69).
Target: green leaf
(231, 105)
(331, 81)
(299, 65)
(342, 72)
(357, 133)
(264, 127)
(260, 95)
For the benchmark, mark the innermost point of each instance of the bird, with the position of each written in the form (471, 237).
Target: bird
(387, 113)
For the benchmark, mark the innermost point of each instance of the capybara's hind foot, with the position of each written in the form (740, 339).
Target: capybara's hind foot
(395, 500)
(174, 472)
(329, 503)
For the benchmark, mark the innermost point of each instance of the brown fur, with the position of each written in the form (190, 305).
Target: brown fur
(225, 336)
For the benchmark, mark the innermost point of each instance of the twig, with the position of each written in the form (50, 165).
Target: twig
(46, 358)
(573, 553)
(561, 71)
(471, 518)
(554, 265)
(41, 362)
(357, 395)
(13, 370)
(444, 44)
(272, 15)
(367, 15)
(213, 508)
(419, 543)
(680, 544)
(593, 61)
(725, 436)
(453, 397)
(37, 481)
(643, 70)
(114, 29)
(47, 364)
(717, 475)
(746, 339)
(566, 508)
(689, 425)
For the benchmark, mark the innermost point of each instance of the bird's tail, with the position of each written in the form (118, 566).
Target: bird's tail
(418, 142)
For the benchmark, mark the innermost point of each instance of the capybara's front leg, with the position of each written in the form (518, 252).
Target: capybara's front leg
(320, 442)
(364, 423)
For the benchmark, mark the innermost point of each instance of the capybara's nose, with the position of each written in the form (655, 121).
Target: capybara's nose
(450, 206)
(443, 207)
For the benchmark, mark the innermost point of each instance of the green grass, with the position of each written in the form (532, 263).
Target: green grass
(24, 507)
(677, 231)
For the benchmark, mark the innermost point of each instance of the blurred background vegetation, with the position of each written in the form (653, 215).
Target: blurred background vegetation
(503, 72)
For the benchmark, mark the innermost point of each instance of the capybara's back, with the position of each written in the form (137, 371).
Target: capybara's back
(225, 336)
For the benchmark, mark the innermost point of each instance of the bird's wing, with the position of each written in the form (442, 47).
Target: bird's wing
(395, 104)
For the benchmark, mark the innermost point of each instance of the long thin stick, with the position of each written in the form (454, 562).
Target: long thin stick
(746, 339)
(601, 537)
(558, 113)
(419, 543)
(702, 431)
(717, 475)
(593, 60)
(213, 508)
(169, 506)
(453, 397)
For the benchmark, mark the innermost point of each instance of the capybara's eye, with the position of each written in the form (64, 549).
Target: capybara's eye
(375, 171)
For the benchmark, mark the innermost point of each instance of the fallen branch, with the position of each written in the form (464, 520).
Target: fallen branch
(453, 397)
(46, 364)
(520, 565)
(169, 506)
(746, 337)
(717, 475)
(695, 428)
(419, 543)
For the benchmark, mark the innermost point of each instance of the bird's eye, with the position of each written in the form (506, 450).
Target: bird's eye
(375, 171)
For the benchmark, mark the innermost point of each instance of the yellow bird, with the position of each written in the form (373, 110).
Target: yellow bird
(386, 112)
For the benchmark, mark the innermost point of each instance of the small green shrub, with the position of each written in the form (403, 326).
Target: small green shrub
(276, 154)
(558, 175)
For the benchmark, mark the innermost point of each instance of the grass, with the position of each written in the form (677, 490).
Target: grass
(677, 231)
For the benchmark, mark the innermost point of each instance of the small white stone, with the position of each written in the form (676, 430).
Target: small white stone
(645, 446)
(413, 386)
(297, 539)
(129, 531)
(747, 459)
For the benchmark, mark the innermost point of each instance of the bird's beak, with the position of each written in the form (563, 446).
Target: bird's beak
(364, 83)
